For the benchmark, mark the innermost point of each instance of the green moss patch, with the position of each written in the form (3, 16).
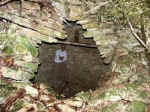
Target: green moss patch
(110, 108)
(137, 106)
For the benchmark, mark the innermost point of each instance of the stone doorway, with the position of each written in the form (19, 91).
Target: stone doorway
(85, 69)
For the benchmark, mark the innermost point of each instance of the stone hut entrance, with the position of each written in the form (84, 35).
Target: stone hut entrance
(85, 68)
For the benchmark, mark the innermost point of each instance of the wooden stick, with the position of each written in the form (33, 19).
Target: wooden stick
(96, 8)
(77, 44)
(136, 36)
(23, 26)
(93, 10)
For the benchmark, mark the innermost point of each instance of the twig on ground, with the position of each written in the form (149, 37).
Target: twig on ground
(136, 36)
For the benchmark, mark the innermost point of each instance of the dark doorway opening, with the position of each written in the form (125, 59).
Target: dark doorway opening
(85, 69)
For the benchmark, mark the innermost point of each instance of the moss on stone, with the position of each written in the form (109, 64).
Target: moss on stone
(17, 106)
(110, 108)
(32, 67)
(142, 94)
(137, 106)
(8, 50)
(28, 45)
(112, 93)
(6, 89)
(102, 95)
(131, 86)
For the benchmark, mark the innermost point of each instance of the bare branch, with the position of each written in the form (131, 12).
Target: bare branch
(23, 26)
(30, 19)
(96, 8)
(136, 36)
(93, 10)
